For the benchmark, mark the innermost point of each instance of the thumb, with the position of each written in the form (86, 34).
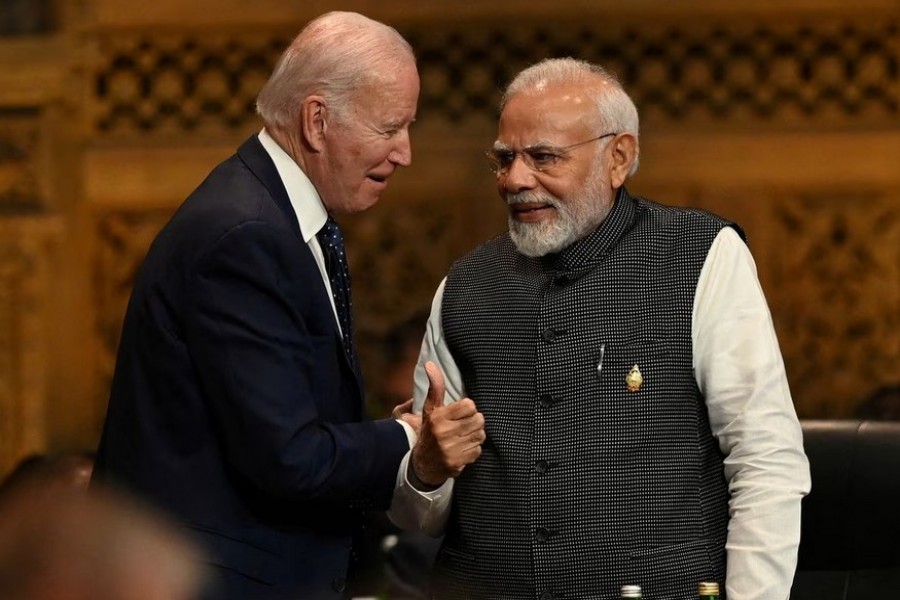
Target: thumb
(435, 395)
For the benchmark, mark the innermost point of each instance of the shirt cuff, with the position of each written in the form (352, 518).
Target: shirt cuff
(411, 436)
(415, 510)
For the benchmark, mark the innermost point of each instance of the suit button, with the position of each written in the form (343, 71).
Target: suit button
(542, 534)
(541, 466)
(339, 584)
(547, 596)
(547, 400)
(549, 335)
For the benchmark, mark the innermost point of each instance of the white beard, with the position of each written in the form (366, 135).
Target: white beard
(545, 237)
(575, 218)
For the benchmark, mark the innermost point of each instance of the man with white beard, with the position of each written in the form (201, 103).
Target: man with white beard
(639, 426)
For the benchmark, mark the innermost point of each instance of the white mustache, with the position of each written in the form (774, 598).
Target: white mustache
(531, 197)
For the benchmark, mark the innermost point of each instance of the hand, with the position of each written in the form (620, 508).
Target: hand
(403, 412)
(450, 437)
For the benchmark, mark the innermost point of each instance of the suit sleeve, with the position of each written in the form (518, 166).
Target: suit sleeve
(269, 372)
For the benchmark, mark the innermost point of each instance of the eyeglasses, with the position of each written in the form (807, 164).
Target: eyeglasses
(537, 158)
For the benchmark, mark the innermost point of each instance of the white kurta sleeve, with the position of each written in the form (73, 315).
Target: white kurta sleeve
(741, 373)
(412, 509)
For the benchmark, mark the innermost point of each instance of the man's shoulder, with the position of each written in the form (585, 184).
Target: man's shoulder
(495, 247)
(230, 200)
(683, 218)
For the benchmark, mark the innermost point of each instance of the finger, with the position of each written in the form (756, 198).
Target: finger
(402, 409)
(461, 409)
(435, 395)
(469, 426)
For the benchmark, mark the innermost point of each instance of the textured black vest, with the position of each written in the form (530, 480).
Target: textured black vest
(583, 484)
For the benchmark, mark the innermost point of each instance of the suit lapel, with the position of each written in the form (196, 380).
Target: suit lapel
(252, 153)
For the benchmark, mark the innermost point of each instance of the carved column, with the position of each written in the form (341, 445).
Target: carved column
(26, 281)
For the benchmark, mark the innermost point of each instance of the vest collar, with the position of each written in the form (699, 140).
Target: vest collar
(577, 259)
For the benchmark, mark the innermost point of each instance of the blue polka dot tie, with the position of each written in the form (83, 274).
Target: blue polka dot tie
(332, 243)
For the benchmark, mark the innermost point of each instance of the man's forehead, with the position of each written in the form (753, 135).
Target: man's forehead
(558, 96)
(531, 119)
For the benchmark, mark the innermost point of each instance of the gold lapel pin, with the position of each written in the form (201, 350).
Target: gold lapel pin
(634, 379)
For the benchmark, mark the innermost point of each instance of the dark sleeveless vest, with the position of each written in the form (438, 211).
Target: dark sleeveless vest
(584, 485)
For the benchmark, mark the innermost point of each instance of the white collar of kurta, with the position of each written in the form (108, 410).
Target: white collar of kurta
(311, 213)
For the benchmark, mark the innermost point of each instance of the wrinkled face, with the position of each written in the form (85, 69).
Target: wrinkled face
(551, 208)
(365, 147)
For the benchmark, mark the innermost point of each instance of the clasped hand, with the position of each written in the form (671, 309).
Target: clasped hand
(450, 436)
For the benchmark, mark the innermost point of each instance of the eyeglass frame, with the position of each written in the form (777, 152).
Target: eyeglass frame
(497, 167)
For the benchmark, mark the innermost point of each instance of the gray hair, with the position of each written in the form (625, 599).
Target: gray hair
(334, 55)
(615, 107)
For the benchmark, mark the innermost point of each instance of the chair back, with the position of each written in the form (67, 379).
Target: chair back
(850, 527)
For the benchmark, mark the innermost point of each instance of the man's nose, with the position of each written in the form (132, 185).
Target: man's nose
(518, 177)
(402, 152)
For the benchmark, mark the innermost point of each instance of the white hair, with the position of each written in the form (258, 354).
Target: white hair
(615, 107)
(334, 56)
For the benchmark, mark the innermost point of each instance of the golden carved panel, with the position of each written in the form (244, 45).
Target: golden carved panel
(735, 71)
(735, 103)
(26, 291)
(834, 261)
(179, 82)
(777, 72)
(829, 264)
(123, 238)
(19, 189)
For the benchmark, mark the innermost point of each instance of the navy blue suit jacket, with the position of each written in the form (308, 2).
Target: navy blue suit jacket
(234, 406)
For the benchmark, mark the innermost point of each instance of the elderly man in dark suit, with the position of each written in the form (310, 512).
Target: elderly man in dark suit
(237, 402)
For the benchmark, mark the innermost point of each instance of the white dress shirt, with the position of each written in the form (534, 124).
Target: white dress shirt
(307, 204)
(741, 374)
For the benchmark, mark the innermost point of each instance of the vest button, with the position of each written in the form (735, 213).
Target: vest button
(541, 466)
(547, 400)
(549, 335)
(547, 596)
(338, 584)
(542, 534)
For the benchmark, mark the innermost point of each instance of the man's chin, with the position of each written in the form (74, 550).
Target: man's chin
(357, 205)
(536, 240)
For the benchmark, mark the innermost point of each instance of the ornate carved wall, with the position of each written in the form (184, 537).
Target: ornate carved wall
(27, 247)
(785, 117)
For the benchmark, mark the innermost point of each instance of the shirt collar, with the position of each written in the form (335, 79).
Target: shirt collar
(307, 204)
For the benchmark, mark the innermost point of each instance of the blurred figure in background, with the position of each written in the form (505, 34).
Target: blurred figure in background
(60, 542)
(883, 404)
(63, 472)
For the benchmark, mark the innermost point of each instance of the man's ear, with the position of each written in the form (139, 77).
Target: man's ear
(624, 153)
(313, 122)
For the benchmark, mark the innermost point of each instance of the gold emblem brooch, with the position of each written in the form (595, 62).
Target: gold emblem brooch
(634, 379)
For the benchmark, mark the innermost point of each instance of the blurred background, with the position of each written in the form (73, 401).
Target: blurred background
(783, 116)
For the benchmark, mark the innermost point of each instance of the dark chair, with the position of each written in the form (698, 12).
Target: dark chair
(850, 544)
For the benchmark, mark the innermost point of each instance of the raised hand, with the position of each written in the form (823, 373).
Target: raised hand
(450, 437)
